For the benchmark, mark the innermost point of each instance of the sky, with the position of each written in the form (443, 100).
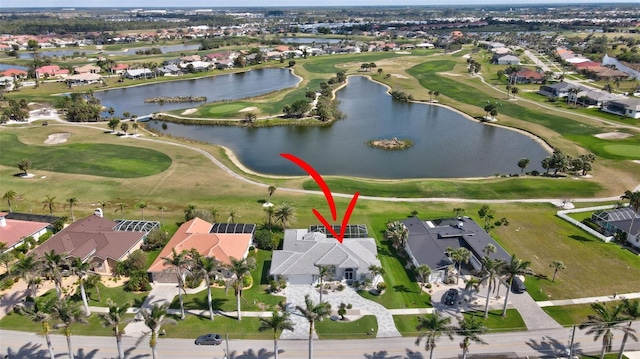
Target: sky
(274, 3)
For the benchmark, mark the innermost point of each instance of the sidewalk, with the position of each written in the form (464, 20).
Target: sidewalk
(609, 298)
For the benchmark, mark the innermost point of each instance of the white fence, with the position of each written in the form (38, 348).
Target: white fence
(563, 215)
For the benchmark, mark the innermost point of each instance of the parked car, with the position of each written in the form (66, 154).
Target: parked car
(450, 297)
(517, 285)
(209, 339)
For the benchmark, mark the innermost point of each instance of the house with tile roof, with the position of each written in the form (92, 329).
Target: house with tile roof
(97, 239)
(526, 76)
(15, 73)
(51, 71)
(204, 237)
(428, 241)
(14, 231)
(303, 251)
(87, 69)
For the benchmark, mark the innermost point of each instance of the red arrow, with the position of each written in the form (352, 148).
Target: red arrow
(328, 196)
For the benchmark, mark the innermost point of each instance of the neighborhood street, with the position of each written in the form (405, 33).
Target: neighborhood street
(540, 343)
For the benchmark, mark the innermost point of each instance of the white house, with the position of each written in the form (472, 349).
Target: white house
(627, 107)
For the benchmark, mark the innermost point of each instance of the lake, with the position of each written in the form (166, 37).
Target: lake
(5, 67)
(125, 52)
(446, 144)
(216, 88)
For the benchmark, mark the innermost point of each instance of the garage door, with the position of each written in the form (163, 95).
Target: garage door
(300, 279)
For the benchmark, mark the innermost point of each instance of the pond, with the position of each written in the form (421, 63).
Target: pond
(5, 67)
(124, 52)
(446, 143)
(216, 88)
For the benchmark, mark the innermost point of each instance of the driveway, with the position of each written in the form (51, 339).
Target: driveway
(295, 294)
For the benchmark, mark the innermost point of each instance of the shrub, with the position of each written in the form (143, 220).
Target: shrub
(349, 306)
(138, 282)
(44, 237)
(137, 261)
(340, 287)
(247, 281)
(381, 286)
(264, 239)
(6, 283)
(429, 285)
(155, 239)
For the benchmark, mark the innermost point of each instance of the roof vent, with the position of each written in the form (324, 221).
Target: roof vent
(98, 212)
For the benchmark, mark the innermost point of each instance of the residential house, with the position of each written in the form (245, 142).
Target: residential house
(7, 83)
(221, 241)
(627, 107)
(51, 71)
(99, 240)
(425, 45)
(197, 65)
(119, 69)
(621, 220)
(15, 73)
(526, 76)
(560, 89)
(225, 64)
(304, 250)
(86, 78)
(508, 60)
(592, 98)
(603, 73)
(170, 70)
(191, 58)
(136, 74)
(428, 241)
(14, 229)
(87, 69)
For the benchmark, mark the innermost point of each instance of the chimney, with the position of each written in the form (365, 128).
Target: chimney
(3, 221)
(98, 212)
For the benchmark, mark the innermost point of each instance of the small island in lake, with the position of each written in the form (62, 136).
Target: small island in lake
(391, 144)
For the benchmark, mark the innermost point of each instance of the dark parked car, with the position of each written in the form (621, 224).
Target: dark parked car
(517, 286)
(450, 297)
(209, 339)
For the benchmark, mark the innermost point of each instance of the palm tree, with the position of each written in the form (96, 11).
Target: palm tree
(424, 272)
(470, 328)
(459, 256)
(492, 268)
(50, 203)
(277, 323)
(285, 214)
(208, 268)
(458, 211)
(38, 314)
(51, 266)
(72, 202)
(239, 268)
(431, 328)
(634, 203)
(557, 266)
(121, 207)
(604, 322)
(313, 312)
(397, 233)
(9, 196)
(632, 310)
(28, 268)
(472, 284)
(68, 313)
(154, 319)
(179, 264)
(436, 94)
(323, 273)
(114, 318)
(103, 205)
(523, 163)
(515, 267)
(142, 205)
(271, 190)
(270, 212)
(232, 216)
(81, 269)
(162, 208)
(92, 282)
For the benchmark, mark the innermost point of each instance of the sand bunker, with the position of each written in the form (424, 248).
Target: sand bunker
(613, 135)
(247, 109)
(400, 76)
(189, 111)
(57, 138)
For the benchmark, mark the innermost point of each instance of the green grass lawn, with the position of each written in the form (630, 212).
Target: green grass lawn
(117, 294)
(504, 188)
(193, 326)
(403, 291)
(407, 324)
(13, 321)
(255, 298)
(568, 315)
(104, 160)
(357, 329)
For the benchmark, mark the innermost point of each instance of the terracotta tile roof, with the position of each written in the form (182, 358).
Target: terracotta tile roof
(92, 236)
(14, 72)
(195, 234)
(15, 230)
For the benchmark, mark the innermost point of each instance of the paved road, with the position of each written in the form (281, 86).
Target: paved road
(543, 343)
